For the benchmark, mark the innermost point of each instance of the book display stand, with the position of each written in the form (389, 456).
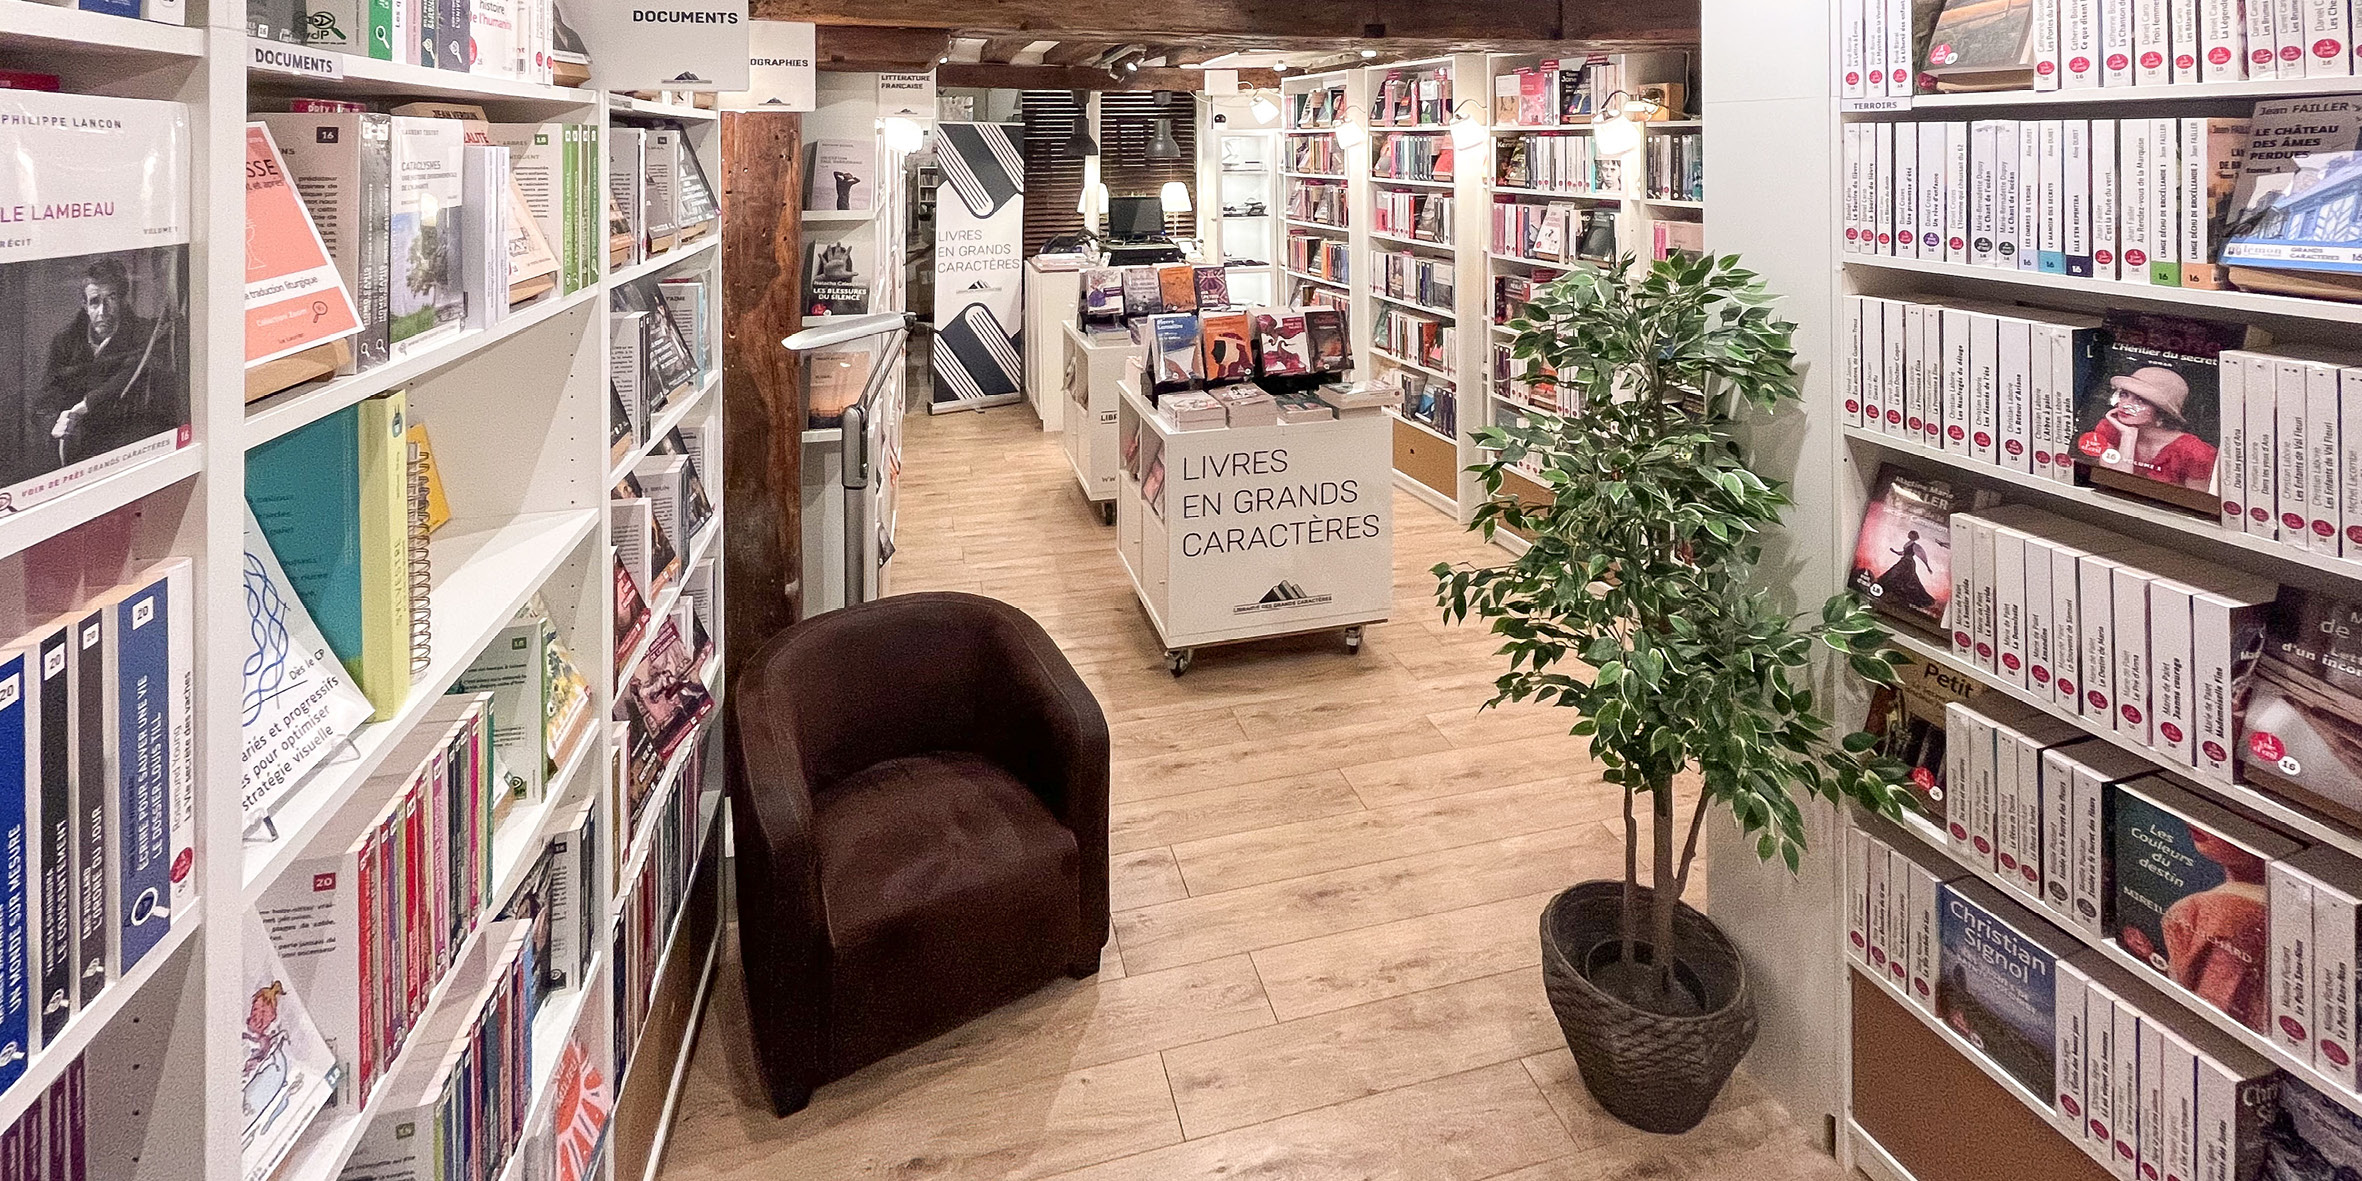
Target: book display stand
(521, 440)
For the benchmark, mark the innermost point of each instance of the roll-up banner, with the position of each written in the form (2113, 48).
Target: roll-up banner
(979, 266)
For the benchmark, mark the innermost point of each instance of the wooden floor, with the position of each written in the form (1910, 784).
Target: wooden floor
(1327, 872)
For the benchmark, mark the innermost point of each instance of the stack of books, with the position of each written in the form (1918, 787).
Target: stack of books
(1296, 406)
(1193, 411)
(1247, 405)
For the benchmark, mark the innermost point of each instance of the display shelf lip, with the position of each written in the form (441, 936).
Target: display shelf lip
(92, 1019)
(1311, 278)
(672, 416)
(1322, 226)
(378, 76)
(2123, 507)
(621, 104)
(1407, 182)
(1313, 175)
(1553, 264)
(1872, 1157)
(1429, 243)
(2183, 92)
(291, 410)
(2254, 302)
(96, 33)
(1415, 306)
(665, 261)
(1553, 194)
(1421, 128)
(22, 530)
(1504, 330)
(2281, 813)
(1672, 203)
(1419, 366)
(536, 543)
(2261, 1044)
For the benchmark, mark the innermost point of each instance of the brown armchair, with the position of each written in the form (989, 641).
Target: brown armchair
(921, 829)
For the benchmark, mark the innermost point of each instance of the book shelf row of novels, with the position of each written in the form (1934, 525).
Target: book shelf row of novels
(450, 653)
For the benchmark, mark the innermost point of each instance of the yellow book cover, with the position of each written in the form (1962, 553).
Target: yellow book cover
(384, 478)
(438, 506)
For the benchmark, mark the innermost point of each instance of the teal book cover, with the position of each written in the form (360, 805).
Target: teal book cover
(303, 489)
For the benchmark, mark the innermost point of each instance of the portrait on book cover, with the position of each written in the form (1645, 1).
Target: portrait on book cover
(2192, 905)
(2153, 407)
(101, 360)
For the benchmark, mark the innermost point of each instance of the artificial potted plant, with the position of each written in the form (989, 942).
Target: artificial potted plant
(1634, 607)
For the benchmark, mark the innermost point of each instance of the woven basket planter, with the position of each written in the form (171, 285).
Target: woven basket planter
(1654, 1072)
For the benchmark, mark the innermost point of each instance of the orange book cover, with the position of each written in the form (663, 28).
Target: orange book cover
(295, 300)
(1179, 285)
(1228, 338)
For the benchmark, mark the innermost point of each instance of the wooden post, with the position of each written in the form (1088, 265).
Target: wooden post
(763, 409)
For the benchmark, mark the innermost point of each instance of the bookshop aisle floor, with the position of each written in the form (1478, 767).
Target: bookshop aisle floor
(1327, 874)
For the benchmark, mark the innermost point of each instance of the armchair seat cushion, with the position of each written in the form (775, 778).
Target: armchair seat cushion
(912, 842)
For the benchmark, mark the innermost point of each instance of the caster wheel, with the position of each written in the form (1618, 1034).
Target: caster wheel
(1180, 660)
(1353, 639)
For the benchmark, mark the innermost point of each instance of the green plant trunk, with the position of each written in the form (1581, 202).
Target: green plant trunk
(1666, 894)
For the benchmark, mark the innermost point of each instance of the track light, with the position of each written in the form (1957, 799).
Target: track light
(1467, 134)
(1263, 109)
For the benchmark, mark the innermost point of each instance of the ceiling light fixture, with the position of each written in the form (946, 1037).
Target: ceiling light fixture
(903, 135)
(1367, 54)
(1263, 109)
(1079, 144)
(1614, 130)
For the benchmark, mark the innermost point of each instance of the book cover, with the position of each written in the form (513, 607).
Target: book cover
(2301, 701)
(1175, 351)
(1143, 293)
(95, 275)
(1997, 982)
(1982, 45)
(285, 1068)
(2190, 899)
(1103, 295)
(2301, 166)
(1177, 287)
(630, 611)
(665, 694)
(2152, 410)
(837, 287)
(1324, 330)
(19, 761)
(332, 498)
(1229, 347)
(295, 299)
(1903, 552)
(1910, 734)
(138, 619)
(841, 175)
(342, 167)
(297, 703)
(513, 670)
(1280, 338)
(1213, 288)
(428, 301)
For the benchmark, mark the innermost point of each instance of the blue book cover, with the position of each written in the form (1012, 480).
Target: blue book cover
(53, 857)
(129, 8)
(307, 500)
(16, 989)
(2052, 262)
(1996, 986)
(139, 630)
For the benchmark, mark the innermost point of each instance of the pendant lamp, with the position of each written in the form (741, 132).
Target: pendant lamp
(1162, 145)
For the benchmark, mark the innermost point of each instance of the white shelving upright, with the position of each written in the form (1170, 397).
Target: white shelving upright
(1238, 169)
(518, 416)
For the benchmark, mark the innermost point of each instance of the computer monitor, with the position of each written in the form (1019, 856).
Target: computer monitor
(1134, 218)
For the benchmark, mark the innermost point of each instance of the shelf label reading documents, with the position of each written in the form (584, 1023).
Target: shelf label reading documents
(665, 44)
(779, 70)
(281, 58)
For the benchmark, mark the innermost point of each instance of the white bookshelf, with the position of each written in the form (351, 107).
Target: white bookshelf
(518, 417)
(1239, 173)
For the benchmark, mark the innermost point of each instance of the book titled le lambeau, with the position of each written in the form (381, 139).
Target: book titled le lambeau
(94, 241)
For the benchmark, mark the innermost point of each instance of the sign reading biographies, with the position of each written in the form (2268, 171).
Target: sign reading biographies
(979, 266)
(779, 69)
(665, 44)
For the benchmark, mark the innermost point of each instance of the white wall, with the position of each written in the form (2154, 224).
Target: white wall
(1770, 159)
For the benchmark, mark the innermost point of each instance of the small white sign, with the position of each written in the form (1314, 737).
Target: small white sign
(665, 44)
(909, 96)
(779, 69)
(282, 58)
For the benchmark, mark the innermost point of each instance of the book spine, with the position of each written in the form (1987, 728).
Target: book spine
(1898, 919)
(1857, 407)
(1960, 613)
(2009, 609)
(2057, 785)
(1983, 788)
(2076, 202)
(2047, 35)
(2288, 461)
(2196, 181)
(1875, 405)
(2099, 1071)
(384, 541)
(2070, 1034)
(1894, 341)
(2328, 39)
(2222, 40)
(1957, 378)
(94, 863)
(2179, 1103)
(1881, 914)
(2066, 634)
(2040, 624)
(2033, 839)
(1984, 175)
(2349, 462)
(2151, 1072)
(1959, 769)
(1984, 394)
(2051, 198)
(2028, 197)
(1931, 191)
(2263, 444)
(1981, 607)
(2220, 628)
(2182, 15)
(2152, 43)
(2117, 41)
(1902, 71)
(2165, 205)
(2325, 517)
(1920, 372)
(2136, 176)
(1882, 189)
(2334, 920)
(138, 729)
(2288, 19)
(1920, 931)
(178, 615)
(1856, 185)
(2173, 726)
(2131, 635)
(2107, 192)
(1956, 192)
(2043, 395)
(53, 708)
(2014, 380)
(2263, 39)
(1906, 190)
(2125, 1090)
(2289, 911)
(2098, 666)
(2079, 42)
(18, 915)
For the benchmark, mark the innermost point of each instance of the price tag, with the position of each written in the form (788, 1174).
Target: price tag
(282, 58)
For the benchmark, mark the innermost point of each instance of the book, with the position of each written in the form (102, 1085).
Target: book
(630, 611)
(2301, 702)
(532, 268)
(2300, 159)
(555, 168)
(1143, 293)
(342, 166)
(836, 286)
(1102, 295)
(298, 705)
(1997, 980)
(513, 671)
(101, 376)
(687, 306)
(333, 500)
(666, 695)
(1173, 347)
(1213, 288)
(428, 300)
(659, 201)
(1324, 330)
(2149, 421)
(1903, 552)
(840, 174)
(285, 1067)
(1281, 341)
(148, 626)
(1177, 287)
(1229, 342)
(298, 312)
(484, 234)
(2189, 900)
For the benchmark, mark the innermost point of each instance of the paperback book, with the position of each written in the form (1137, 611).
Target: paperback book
(2149, 420)
(1982, 45)
(298, 704)
(1229, 341)
(1997, 980)
(837, 287)
(296, 303)
(2297, 181)
(286, 1070)
(1283, 341)
(2190, 900)
(1324, 330)
(1213, 289)
(1174, 348)
(1903, 555)
(2301, 723)
(841, 175)
(1177, 287)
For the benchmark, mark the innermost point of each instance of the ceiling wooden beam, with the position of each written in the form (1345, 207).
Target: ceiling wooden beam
(1005, 77)
(1289, 23)
(1074, 53)
(852, 47)
(1004, 49)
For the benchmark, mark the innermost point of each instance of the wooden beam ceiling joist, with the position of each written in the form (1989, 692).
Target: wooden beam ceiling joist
(1006, 77)
(1389, 25)
(864, 48)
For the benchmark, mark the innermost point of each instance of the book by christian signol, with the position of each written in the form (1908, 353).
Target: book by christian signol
(94, 278)
(1903, 553)
(2190, 900)
(1997, 980)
